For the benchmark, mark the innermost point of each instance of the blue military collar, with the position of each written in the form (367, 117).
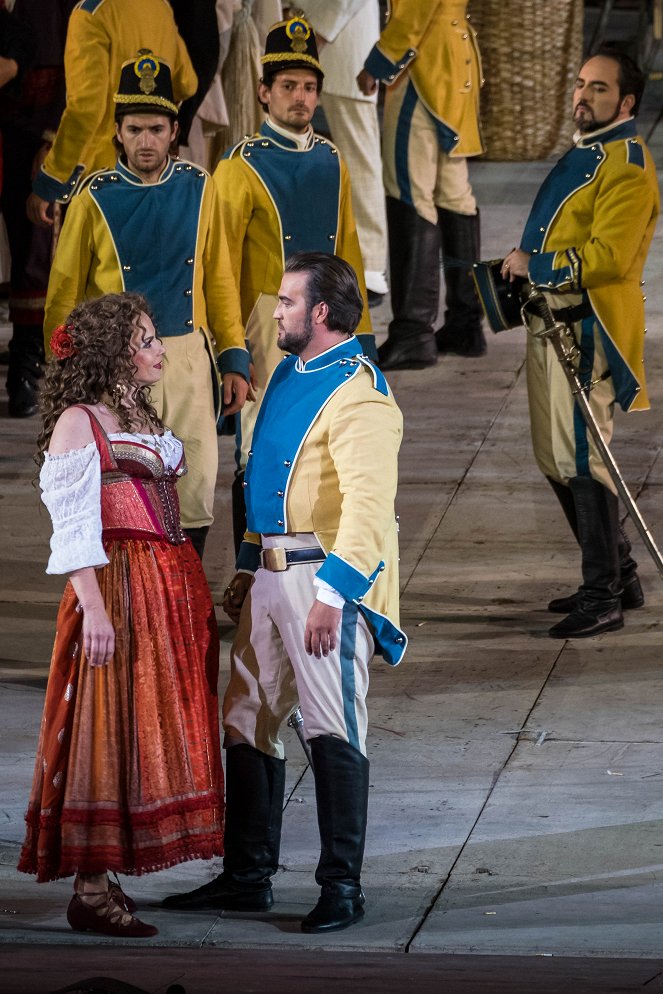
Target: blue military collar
(131, 177)
(610, 133)
(347, 349)
(347, 354)
(280, 137)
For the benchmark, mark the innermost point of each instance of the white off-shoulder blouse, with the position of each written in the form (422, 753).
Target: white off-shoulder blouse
(71, 490)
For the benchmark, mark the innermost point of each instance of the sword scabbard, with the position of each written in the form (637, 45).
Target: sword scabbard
(556, 332)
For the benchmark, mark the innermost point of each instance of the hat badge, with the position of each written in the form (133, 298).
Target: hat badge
(298, 32)
(147, 69)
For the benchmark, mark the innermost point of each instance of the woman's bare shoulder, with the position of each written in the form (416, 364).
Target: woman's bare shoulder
(72, 431)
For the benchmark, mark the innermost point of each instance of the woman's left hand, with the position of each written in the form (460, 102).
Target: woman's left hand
(98, 631)
(98, 636)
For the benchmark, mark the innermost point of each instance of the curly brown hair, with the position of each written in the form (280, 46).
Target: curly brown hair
(101, 368)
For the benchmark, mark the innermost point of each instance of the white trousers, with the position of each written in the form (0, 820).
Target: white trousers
(270, 672)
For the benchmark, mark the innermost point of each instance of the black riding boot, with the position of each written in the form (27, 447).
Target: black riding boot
(26, 357)
(255, 790)
(238, 509)
(198, 538)
(414, 264)
(565, 497)
(598, 605)
(461, 332)
(341, 792)
(632, 595)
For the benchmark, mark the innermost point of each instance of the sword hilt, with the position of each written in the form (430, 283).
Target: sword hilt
(296, 721)
(537, 305)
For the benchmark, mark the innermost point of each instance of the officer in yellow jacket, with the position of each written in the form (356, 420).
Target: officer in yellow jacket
(282, 191)
(427, 56)
(153, 225)
(316, 598)
(585, 244)
(101, 36)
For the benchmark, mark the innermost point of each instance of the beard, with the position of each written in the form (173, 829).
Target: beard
(590, 123)
(295, 342)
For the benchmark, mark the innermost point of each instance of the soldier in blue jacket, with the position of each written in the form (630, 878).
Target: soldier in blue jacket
(316, 595)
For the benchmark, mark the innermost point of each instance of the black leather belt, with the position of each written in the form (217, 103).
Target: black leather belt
(569, 315)
(278, 560)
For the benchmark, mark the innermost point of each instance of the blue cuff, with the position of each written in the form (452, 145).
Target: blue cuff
(343, 577)
(543, 275)
(369, 348)
(380, 67)
(248, 557)
(234, 361)
(51, 189)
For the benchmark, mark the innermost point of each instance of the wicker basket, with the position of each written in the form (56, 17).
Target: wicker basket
(531, 52)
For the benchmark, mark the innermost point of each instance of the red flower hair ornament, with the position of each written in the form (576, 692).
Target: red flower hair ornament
(62, 344)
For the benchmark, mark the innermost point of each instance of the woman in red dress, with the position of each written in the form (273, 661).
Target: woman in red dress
(128, 774)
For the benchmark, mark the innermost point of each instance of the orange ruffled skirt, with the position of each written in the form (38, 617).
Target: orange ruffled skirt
(128, 774)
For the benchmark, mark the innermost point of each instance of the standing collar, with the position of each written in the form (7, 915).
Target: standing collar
(610, 133)
(123, 169)
(346, 349)
(288, 139)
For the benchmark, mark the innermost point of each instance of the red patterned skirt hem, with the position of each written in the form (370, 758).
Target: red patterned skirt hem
(122, 861)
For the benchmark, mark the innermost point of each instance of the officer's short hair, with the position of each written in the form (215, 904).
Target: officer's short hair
(331, 281)
(630, 78)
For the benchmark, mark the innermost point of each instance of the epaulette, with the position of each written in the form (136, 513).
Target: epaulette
(320, 140)
(379, 381)
(184, 165)
(635, 153)
(90, 6)
(84, 183)
(236, 149)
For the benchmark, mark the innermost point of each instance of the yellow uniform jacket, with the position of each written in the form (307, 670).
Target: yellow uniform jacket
(589, 230)
(164, 240)
(102, 35)
(324, 460)
(433, 42)
(277, 199)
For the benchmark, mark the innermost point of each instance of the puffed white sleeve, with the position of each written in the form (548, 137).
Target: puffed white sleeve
(71, 490)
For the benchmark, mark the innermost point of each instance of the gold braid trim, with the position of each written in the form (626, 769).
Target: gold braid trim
(290, 57)
(139, 98)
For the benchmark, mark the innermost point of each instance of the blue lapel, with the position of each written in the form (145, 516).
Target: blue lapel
(576, 169)
(296, 395)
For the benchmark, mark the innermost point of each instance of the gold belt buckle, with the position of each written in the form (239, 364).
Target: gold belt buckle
(274, 560)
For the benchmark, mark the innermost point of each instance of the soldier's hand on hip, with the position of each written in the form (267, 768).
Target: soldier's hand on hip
(321, 629)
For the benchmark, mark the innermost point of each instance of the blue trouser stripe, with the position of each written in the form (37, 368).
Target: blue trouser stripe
(403, 129)
(348, 644)
(585, 374)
